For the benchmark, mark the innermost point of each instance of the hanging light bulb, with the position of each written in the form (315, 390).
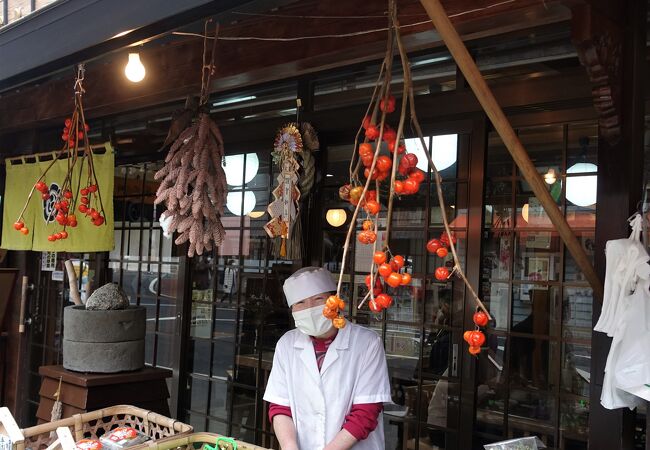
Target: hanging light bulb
(134, 69)
(336, 217)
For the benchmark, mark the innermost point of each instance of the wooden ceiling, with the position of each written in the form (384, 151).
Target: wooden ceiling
(173, 63)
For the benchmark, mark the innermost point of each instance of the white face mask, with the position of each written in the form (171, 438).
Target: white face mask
(311, 321)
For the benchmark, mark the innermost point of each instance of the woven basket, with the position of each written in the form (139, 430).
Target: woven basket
(93, 424)
(196, 441)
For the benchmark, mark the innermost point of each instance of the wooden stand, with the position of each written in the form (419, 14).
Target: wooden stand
(82, 392)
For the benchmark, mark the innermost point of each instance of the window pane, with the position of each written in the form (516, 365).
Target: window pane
(497, 256)
(536, 309)
(574, 421)
(165, 351)
(533, 363)
(491, 388)
(498, 204)
(199, 356)
(439, 355)
(223, 350)
(243, 410)
(576, 368)
(198, 394)
(407, 301)
(455, 196)
(496, 297)
(499, 161)
(537, 256)
(532, 413)
(218, 399)
(438, 309)
(582, 144)
(545, 146)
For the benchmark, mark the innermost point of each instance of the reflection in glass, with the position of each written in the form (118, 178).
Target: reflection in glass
(455, 196)
(496, 297)
(535, 309)
(574, 421)
(497, 255)
(576, 368)
(533, 363)
(576, 313)
(498, 204)
(537, 256)
(538, 406)
(164, 350)
(438, 308)
(198, 399)
(218, 399)
(199, 356)
(491, 387)
(243, 410)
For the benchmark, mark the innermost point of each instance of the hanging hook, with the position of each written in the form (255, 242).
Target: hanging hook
(81, 73)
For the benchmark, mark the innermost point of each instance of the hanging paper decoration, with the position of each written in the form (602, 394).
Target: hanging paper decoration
(193, 183)
(383, 162)
(284, 209)
(69, 191)
(306, 179)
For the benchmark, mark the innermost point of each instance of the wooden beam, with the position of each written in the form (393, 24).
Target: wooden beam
(484, 95)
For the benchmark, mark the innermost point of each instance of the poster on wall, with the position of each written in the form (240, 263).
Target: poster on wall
(39, 214)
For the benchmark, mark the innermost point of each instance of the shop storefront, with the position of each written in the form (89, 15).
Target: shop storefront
(214, 319)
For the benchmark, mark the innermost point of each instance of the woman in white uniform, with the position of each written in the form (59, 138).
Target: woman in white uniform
(327, 386)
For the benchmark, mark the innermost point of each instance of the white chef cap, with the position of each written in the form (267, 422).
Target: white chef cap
(307, 282)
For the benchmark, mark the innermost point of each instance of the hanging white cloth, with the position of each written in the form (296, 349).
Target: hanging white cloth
(624, 317)
(624, 258)
(632, 371)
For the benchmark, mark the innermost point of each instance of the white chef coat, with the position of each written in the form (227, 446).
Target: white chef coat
(354, 371)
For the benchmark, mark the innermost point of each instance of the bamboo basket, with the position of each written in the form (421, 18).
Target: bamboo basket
(94, 424)
(197, 441)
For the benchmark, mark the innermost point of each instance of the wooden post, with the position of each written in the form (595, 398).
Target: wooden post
(485, 97)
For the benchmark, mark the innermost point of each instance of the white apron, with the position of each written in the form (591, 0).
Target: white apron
(354, 371)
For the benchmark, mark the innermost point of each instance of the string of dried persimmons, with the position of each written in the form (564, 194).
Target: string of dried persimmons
(62, 201)
(382, 155)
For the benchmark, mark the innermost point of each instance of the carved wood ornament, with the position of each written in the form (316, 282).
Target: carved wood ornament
(599, 45)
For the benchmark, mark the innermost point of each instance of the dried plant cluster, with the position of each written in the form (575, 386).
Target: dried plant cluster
(193, 186)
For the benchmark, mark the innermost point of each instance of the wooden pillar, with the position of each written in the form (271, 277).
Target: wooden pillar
(611, 46)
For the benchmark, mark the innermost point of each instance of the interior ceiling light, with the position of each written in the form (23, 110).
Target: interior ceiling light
(336, 217)
(134, 69)
(444, 151)
(234, 168)
(256, 214)
(524, 211)
(235, 205)
(230, 101)
(581, 190)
